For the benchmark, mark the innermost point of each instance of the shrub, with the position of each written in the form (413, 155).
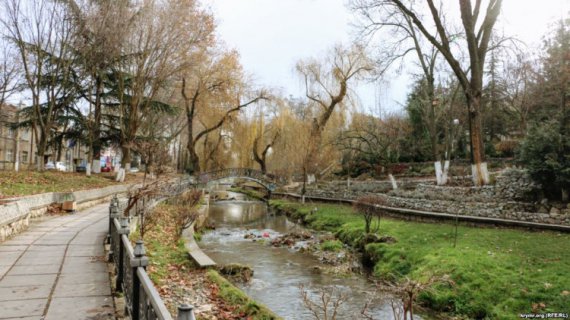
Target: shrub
(545, 153)
(398, 168)
(367, 206)
(507, 148)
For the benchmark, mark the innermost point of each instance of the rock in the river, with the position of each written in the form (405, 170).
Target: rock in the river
(237, 272)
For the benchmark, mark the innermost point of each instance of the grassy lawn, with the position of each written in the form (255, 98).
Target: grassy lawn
(33, 182)
(496, 273)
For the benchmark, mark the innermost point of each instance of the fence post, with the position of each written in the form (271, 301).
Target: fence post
(111, 207)
(185, 312)
(114, 214)
(139, 260)
(121, 268)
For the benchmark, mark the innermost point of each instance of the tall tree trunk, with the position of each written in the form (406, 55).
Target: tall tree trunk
(126, 160)
(59, 149)
(194, 159)
(42, 146)
(478, 165)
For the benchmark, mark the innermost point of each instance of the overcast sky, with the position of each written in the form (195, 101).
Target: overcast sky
(271, 35)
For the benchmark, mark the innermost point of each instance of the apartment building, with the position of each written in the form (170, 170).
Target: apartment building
(22, 142)
(14, 141)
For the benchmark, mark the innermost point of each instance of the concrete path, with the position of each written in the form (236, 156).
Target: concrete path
(56, 269)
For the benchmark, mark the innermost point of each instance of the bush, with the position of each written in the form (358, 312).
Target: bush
(545, 153)
(367, 206)
(507, 148)
(398, 168)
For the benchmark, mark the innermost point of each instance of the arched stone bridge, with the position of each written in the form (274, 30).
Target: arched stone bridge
(268, 181)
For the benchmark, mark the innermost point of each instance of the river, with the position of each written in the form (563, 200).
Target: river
(279, 272)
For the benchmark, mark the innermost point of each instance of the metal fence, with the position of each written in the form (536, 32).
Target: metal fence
(266, 179)
(142, 300)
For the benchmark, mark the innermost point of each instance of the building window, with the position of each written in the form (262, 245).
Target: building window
(24, 157)
(9, 155)
(26, 135)
(11, 133)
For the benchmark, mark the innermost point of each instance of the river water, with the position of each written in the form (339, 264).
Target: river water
(278, 272)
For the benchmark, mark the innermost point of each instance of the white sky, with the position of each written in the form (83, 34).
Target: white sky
(271, 35)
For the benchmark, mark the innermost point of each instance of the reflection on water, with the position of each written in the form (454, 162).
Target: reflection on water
(278, 272)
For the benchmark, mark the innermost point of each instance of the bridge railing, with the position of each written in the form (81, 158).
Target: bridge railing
(258, 175)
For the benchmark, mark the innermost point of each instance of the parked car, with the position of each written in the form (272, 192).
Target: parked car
(106, 169)
(80, 168)
(59, 166)
(135, 169)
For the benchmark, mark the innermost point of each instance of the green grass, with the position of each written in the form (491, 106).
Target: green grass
(257, 195)
(331, 245)
(32, 182)
(236, 297)
(497, 273)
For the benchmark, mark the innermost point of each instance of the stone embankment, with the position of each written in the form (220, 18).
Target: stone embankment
(512, 197)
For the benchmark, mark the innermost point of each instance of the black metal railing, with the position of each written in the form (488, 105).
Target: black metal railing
(266, 179)
(142, 300)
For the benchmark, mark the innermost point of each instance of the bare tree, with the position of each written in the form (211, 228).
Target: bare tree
(407, 39)
(326, 304)
(517, 80)
(477, 30)
(41, 32)
(161, 39)
(9, 73)
(368, 207)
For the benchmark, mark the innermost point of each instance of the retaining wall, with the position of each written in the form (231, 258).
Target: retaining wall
(15, 213)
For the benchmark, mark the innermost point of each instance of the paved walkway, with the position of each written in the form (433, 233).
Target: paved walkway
(56, 269)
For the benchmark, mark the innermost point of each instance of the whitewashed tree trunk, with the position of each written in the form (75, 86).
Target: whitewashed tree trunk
(441, 174)
(394, 184)
(311, 179)
(484, 174)
(121, 175)
(438, 170)
(88, 169)
(96, 166)
(445, 173)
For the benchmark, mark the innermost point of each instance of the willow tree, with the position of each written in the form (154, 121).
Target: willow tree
(477, 28)
(266, 137)
(326, 87)
(213, 92)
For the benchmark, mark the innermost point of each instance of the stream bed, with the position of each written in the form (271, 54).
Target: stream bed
(279, 271)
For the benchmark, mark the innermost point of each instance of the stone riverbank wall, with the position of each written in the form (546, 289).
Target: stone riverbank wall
(512, 197)
(16, 213)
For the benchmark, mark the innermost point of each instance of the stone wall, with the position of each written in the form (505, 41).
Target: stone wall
(374, 186)
(504, 200)
(15, 213)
